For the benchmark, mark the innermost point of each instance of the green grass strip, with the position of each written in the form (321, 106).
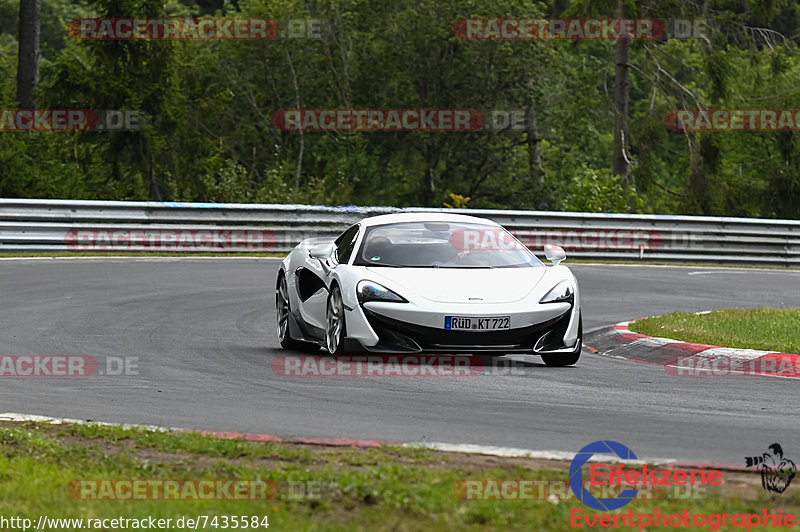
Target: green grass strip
(768, 329)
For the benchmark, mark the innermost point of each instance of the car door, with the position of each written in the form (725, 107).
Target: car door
(313, 279)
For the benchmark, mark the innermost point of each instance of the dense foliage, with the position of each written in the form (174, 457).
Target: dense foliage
(210, 103)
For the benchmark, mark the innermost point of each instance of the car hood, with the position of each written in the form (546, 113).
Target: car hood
(463, 285)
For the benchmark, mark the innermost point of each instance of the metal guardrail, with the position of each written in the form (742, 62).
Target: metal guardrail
(64, 225)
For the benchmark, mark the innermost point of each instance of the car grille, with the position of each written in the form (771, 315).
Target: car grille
(396, 335)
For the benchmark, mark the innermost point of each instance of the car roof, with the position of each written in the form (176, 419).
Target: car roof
(384, 219)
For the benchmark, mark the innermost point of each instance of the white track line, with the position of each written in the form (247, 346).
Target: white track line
(10, 416)
(511, 452)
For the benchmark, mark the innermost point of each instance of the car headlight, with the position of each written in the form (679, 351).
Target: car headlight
(562, 292)
(370, 291)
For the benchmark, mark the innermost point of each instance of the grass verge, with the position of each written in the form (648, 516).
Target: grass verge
(768, 329)
(388, 488)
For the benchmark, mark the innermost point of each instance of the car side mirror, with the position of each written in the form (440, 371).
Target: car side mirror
(322, 251)
(554, 254)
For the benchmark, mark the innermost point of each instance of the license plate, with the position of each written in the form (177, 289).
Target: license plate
(475, 323)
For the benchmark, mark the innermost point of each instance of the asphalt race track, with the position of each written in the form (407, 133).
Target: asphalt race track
(203, 332)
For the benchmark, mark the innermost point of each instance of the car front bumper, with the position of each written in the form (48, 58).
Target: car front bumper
(404, 328)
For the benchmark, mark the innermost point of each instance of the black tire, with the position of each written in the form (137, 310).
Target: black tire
(335, 331)
(283, 309)
(567, 359)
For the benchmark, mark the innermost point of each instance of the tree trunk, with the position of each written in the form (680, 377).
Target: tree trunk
(155, 186)
(534, 150)
(535, 159)
(28, 59)
(621, 104)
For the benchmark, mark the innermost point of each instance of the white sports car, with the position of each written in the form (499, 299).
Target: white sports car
(428, 283)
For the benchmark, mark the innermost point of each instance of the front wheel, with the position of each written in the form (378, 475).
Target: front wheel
(567, 359)
(334, 322)
(283, 310)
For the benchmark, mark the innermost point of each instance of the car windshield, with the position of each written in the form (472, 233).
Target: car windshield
(443, 245)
